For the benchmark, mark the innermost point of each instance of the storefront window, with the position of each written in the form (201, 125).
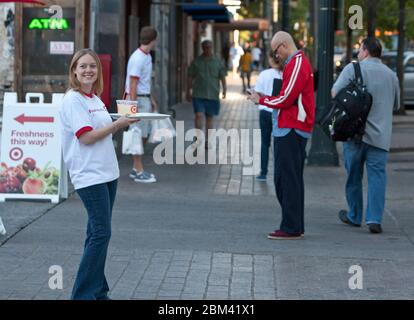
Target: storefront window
(48, 44)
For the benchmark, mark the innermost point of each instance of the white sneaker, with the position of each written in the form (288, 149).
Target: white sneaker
(145, 177)
(133, 174)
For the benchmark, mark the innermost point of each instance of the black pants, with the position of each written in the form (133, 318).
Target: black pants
(244, 74)
(266, 132)
(289, 156)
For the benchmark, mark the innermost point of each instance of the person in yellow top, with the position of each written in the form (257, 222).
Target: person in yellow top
(245, 67)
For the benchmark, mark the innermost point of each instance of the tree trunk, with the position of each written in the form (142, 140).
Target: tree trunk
(400, 56)
(371, 16)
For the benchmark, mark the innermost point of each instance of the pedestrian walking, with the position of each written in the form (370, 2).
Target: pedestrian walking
(292, 129)
(88, 152)
(138, 88)
(235, 53)
(268, 83)
(246, 68)
(382, 83)
(204, 76)
(256, 55)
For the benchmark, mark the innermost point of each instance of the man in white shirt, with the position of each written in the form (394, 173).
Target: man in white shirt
(235, 53)
(256, 53)
(138, 87)
(268, 83)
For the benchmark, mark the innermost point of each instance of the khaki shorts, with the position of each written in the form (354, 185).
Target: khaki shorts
(144, 105)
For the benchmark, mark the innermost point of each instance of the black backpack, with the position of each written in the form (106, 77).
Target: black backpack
(347, 116)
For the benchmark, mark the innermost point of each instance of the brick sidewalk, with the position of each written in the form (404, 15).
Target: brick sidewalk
(189, 275)
(200, 233)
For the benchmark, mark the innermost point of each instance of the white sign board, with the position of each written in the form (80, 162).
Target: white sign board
(62, 47)
(31, 159)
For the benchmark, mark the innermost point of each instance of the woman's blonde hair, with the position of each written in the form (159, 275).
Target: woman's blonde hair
(74, 82)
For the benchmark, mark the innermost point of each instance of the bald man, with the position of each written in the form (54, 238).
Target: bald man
(293, 119)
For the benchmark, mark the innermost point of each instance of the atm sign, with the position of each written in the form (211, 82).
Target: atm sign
(48, 24)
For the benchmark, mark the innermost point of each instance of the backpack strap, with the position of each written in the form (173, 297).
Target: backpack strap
(358, 73)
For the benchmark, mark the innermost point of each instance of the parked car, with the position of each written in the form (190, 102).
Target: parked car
(341, 63)
(390, 59)
(338, 54)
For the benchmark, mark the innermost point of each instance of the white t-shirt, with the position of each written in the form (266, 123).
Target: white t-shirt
(264, 84)
(139, 66)
(256, 53)
(87, 164)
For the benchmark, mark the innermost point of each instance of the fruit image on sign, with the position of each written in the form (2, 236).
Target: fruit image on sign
(26, 178)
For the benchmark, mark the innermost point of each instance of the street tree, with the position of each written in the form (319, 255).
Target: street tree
(371, 6)
(400, 56)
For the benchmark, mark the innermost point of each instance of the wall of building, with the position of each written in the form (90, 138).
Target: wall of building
(108, 37)
(7, 45)
(160, 20)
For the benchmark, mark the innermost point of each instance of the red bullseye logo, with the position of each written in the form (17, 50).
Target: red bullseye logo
(16, 154)
(133, 109)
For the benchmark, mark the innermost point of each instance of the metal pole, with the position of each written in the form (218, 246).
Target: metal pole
(323, 151)
(313, 6)
(285, 15)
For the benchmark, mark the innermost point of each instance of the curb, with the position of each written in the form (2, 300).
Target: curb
(400, 123)
(402, 149)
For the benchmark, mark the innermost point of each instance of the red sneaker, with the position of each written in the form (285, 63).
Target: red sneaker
(281, 235)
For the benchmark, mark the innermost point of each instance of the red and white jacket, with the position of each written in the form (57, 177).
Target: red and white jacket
(296, 100)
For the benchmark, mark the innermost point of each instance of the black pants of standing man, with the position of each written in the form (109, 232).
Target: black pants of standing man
(289, 157)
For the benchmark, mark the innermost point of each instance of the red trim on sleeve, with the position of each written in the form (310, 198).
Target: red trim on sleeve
(81, 131)
(134, 77)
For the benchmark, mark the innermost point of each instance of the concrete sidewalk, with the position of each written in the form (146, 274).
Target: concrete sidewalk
(200, 233)
(403, 133)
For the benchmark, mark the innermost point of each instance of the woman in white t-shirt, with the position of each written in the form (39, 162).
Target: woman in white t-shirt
(268, 83)
(89, 155)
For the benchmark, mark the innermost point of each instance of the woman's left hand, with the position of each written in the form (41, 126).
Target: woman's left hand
(124, 122)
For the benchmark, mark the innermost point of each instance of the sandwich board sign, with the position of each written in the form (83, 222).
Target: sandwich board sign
(31, 165)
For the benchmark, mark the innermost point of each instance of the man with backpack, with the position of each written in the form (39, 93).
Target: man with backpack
(372, 150)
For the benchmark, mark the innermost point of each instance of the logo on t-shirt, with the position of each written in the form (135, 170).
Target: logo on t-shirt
(96, 110)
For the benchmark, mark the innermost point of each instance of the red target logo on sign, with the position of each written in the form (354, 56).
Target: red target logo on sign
(133, 109)
(16, 154)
